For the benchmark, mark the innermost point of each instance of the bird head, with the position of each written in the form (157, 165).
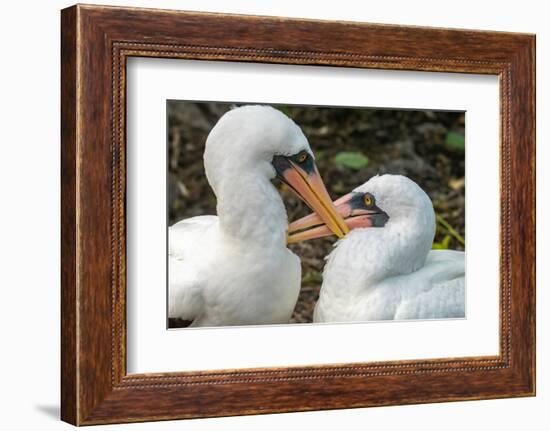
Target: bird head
(381, 202)
(252, 142)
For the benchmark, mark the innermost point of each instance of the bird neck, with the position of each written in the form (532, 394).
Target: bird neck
(251, 210)
(367, 256)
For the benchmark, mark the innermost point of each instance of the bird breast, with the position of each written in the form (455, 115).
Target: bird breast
(244, 283)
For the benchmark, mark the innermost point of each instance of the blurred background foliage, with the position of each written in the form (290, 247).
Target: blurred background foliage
(350, 146)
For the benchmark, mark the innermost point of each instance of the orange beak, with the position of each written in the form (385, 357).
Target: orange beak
(306, 182)
(311, 226)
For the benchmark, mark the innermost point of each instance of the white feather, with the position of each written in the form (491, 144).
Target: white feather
(390, 273)
(234, 268)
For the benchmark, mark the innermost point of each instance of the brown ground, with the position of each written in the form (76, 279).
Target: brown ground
(418, 144)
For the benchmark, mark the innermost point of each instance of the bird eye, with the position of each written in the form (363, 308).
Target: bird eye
(302, 157)
(368, 200)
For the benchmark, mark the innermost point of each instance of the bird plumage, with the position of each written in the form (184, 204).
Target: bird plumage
(218, 281)
(234, 268)
(390, 272)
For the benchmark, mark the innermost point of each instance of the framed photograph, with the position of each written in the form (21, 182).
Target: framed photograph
(265, 215)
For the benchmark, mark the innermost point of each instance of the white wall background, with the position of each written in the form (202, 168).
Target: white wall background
(29, 214)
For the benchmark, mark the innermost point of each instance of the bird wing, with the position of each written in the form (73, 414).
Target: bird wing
(435, 291)
(447, 256)
(185, 234)
(185, 300)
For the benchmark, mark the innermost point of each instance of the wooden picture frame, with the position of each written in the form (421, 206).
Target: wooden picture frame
(96, 41)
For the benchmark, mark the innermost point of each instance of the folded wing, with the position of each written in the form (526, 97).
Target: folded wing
(436, 291)
(185, 242)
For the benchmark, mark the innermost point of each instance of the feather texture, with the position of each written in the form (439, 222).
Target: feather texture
(234, 268)
(390, 272)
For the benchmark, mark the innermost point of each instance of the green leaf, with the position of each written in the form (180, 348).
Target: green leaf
(352, 160)
(443, 245)
(455, 140)
(449, 229)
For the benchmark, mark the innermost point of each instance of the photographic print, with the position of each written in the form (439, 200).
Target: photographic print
(285, 214)
(239, 208)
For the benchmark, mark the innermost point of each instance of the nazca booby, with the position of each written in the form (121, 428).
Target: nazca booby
(384, 269)
(235, 268)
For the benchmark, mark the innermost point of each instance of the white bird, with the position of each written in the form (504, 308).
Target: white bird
(384, 269)
(234, 268)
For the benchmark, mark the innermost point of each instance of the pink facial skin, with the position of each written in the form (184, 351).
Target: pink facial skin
(311, 226)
